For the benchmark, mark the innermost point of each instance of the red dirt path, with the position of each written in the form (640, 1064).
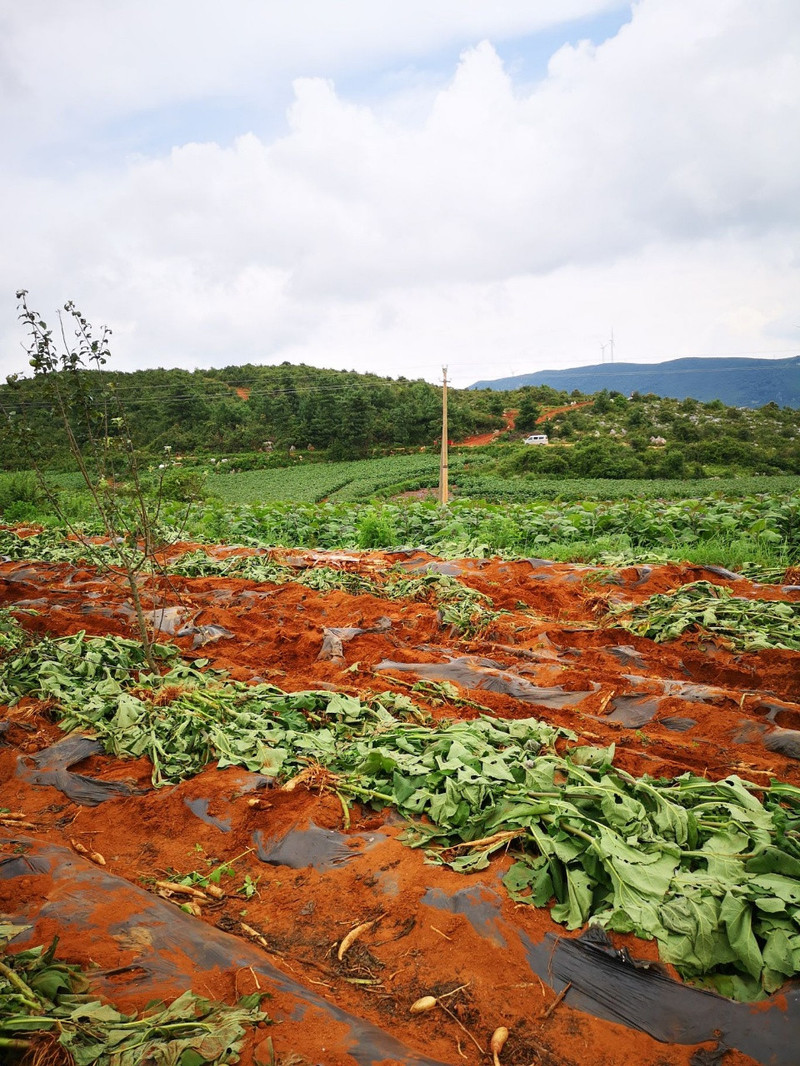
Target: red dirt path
(482, 439)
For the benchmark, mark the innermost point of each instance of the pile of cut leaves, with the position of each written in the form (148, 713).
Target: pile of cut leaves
(49, 1015)
(713, 610)
(711, 870)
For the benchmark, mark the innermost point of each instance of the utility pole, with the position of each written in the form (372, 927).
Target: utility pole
(444, 494)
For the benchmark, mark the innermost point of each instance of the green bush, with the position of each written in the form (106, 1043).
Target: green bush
(21, 498)
(377, 530)
(185, 486)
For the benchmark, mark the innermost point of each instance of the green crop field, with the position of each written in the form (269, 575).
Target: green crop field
(728, 522)
(314, 482)
(471, 476)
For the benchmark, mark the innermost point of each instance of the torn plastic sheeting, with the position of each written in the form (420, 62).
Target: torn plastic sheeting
(748, 732)
(633, 711)
(465, 672)
(51, 768)
(312, 847)
(690, 691)
(785, 715)
(642, 577)
(98, 611)
(608, 984)
(696, 693)
(27, 575)
(167, 619)
(720, 571)
(784, 742)
(209, 634)
(22, 865)
(628, 656)
(781, 741)
(481, 907)
(247, 596)
(678, 724)
(332, 649)
(567, 579)
(425, 566)
(334, 638)
(176, 950)
(199, 808)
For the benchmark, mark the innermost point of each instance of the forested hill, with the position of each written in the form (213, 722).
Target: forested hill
(240, 408)
(737, 382)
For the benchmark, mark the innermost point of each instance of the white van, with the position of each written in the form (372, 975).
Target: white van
(536, 438)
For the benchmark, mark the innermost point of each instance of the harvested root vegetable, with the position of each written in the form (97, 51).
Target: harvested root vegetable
(352, 936)
(254, 933)
(499, 1037)
(172, 888)
(93, 856)
(426, 1003)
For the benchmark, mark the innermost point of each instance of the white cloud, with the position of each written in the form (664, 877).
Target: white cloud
(649, 182)
(74, 65)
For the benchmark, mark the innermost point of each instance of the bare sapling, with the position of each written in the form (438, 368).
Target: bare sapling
(87, 407)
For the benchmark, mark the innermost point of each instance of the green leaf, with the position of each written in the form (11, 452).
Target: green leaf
(737, 916)
(575, 910)
(530, 882)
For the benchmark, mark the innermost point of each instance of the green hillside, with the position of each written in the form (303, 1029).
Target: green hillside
(259, 409)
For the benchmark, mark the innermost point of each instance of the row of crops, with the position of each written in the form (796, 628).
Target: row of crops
(743, 624)
(762, 529)
(767, 526)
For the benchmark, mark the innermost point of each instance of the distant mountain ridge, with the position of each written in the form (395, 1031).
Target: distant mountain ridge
(738, 382)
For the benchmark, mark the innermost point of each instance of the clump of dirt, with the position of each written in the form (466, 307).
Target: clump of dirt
(296, 878)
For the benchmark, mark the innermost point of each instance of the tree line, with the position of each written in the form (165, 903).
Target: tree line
(264, 409)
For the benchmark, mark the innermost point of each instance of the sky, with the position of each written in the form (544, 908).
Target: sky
(392, 187)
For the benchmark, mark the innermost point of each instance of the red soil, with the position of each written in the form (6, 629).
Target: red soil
(488, 438)
(550, 635)
(551, 412)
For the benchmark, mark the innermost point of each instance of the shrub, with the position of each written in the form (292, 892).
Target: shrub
(377, 530)
(21, 498)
